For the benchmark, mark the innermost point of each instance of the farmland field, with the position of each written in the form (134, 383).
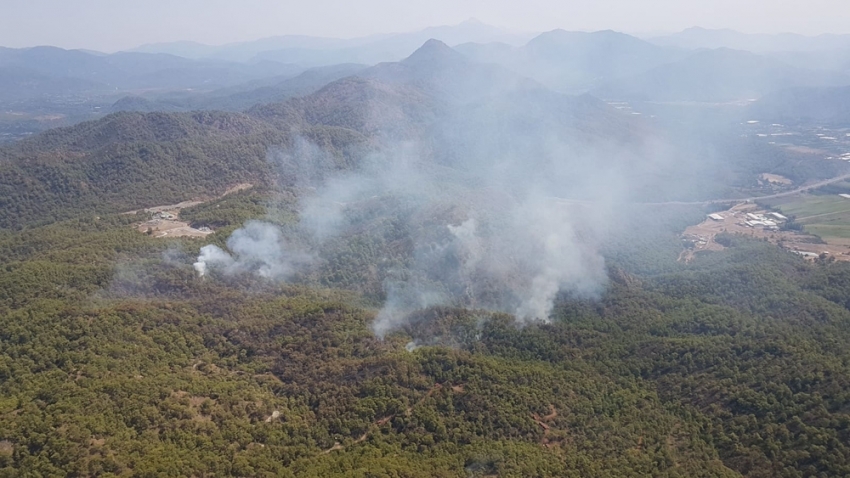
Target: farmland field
(825, 216)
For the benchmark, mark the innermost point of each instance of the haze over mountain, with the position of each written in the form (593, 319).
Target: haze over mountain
(316, 51)
(242, 96)
(51, 87)
(454, 252)
(720, 75)
(455, 109)
(575, 61)
(44, 87)
(830, 106)
(134, 70)
(696, 38)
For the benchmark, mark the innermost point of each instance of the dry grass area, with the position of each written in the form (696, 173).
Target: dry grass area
(703, 236)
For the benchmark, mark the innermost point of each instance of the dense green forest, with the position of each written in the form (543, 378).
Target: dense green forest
(116, 360)
(132, 160)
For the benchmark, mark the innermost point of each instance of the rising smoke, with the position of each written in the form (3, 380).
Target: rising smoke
(503, 207)
(473, 246)
(259, 248)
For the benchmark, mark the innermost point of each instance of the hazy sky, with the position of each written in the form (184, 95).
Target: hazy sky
(110, 25)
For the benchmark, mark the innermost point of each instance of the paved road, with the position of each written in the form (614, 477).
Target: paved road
(799, 190)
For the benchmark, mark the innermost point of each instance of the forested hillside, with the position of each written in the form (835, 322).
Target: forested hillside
(117, 360)
(129, 161)
(455, 112)
(422, 281)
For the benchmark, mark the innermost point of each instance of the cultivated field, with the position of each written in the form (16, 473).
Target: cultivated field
(827, 216)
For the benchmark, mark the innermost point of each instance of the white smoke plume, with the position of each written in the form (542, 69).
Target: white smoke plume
(558, 255)
(476, 242)
(528, 252)
(503, 205)
(212, 256)
(257, 247)
(470, 249)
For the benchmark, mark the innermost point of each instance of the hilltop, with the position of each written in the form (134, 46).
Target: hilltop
(178, 155)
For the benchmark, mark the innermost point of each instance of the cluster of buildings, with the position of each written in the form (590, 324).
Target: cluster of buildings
(769, 221)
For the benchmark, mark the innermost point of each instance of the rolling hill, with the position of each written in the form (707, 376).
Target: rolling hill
(242, 96)
(164, 157)
(460, 114)
(118, 359)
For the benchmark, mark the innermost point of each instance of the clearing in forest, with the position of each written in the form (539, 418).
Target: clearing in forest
(165, 220)
(741, 219)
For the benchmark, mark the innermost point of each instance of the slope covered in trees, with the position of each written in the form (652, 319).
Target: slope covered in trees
(456, 113)
(118, 359)
(132, 160)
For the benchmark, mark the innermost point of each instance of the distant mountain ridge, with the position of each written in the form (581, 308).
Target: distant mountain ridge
(47, 87)
(131, 70)
(319, 51)
(575, 61)
(696, 38)
(242, 97)
(132, 159)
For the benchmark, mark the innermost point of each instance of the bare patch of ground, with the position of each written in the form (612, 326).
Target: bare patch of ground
(776, 179)
(160, 228)
(702, 237)
(165, 220)
(805, 149)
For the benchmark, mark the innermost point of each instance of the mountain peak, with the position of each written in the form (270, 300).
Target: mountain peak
(433, 52)
(435, 45)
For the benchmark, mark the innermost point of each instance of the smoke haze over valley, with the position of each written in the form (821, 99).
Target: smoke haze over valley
(377, 239)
